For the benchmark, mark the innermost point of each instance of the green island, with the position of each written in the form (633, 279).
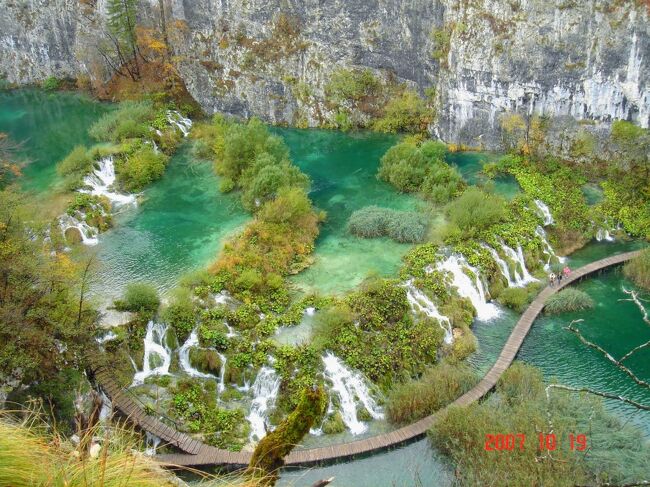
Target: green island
(265, 285)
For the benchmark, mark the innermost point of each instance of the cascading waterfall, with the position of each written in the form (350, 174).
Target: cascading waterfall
(265, 391)
(184, 357)
(545, 212)
(88, 234)
(351, 389)
(603, 234)
(101, 180)
(502, 264)
(221, 386)
(520, 272)
(179, 121)
(420, 302)
(155, 348)
(474, 291)
(152, 442)
(547, 249)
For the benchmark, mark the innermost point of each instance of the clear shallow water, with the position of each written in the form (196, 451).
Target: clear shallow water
(470, 165)
(178, 227)
(48, 126)
(343, 169)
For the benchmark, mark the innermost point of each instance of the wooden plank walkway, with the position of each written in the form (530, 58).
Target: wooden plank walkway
(199, 454)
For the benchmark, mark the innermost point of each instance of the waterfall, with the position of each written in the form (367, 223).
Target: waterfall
(545, 212)
(603, 234)
(547, 249)
(221, 386)
(88, 234)
(523, 278)
(106, 338)
(179, 121)
(184, 357)
(474, 291)
(310, 311)
(265, 391)
(152, 442)
(420, 302)
(351, 389)
(502, 264)
(101, 180)
(154, 346)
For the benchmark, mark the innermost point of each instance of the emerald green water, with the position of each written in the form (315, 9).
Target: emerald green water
(48, 126)
(343, 169)
(183, 220)
(178, 227)
(470, 165)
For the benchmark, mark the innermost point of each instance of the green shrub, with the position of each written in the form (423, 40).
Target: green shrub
(139, 297)
(205, 360)
(51, 83)
(131, 120)
(136, 170)
(181, 316)
(406, 112)
(439, 386)
(568, 300)
(474, 211)
(638, 270)
(401, 226)
(75, 166)
(351, 85)
(515, 298)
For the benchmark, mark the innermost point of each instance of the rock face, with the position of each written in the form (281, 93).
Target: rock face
(272, 58)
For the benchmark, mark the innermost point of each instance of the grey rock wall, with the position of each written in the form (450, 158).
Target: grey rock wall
(272, 58)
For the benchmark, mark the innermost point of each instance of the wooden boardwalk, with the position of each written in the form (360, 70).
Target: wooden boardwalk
(198, 454)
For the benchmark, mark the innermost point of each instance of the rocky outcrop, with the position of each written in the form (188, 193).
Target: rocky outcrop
(273, 58)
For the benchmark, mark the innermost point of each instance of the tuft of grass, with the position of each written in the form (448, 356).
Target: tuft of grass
(638, 270)
(568, 300)
(438, 387)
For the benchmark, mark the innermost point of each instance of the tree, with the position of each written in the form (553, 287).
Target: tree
(122, 53)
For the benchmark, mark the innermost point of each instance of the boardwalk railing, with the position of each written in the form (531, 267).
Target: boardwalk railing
(198, 453)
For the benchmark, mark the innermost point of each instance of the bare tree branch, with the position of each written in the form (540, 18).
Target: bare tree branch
(606, 354)
(606, 395)
(637, 301)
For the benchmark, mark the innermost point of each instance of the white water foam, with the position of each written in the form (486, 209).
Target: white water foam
(468, 288)
(420, 302)
(155, 348)
(351, 389)
(545, 212)
(101, 181)
(265, 391)
(520, 272)
(603, 234)
(547, 249)
(184, 357)
(88, 234)
(179, 121)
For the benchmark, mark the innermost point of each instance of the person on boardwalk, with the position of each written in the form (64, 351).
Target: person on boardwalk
(551, 279)
(566, 271)
(559, 278)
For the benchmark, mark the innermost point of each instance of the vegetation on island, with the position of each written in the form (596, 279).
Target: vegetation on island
(401, 226)
(638, 270)
(523, 406)
(568, 300)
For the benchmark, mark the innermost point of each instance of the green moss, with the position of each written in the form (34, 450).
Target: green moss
(205, 360)
(334, 424)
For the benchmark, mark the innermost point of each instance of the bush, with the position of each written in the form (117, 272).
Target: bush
(136, 170)
(406, 112)
(475, 211)
(181, 316)
(51, 84)
(139, 297)
(351, 85)
(568, 300)
(638, 270)
(74, 167)
(130, 120)
(373, 221)
(515, 298)
(439, 386)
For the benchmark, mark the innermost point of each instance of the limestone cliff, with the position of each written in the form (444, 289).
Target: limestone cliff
(273, 58)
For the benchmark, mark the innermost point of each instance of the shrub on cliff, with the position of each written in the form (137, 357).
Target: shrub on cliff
(638, 270)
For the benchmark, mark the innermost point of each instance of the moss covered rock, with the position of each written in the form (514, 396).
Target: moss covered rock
(334, 424)
(205, 360)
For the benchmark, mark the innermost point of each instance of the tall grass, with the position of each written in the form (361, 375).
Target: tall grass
(638, 270)
(438, 387)
(568, 300)
(32, 454)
